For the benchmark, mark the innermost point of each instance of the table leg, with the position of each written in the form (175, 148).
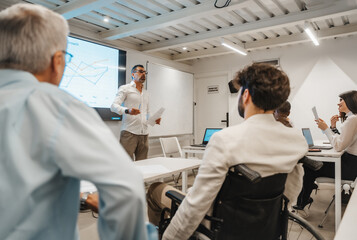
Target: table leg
(337, 193)
(184, 181)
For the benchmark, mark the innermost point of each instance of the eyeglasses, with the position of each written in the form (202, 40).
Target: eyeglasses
(141, 71)
(67, 57)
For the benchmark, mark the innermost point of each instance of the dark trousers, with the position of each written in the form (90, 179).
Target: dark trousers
(348, 172)
(135, 145)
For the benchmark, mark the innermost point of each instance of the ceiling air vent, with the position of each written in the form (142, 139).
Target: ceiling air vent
(274, 62)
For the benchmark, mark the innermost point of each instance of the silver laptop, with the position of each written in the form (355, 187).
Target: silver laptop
(310, 142)
(208, 134)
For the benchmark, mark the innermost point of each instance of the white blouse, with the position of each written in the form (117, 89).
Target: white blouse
(347, 139)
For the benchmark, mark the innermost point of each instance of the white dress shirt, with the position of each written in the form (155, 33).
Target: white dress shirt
(130, 97)
(347, 139)
(49, 141)
(261, 143)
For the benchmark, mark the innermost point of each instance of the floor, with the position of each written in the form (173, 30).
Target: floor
(88, 229)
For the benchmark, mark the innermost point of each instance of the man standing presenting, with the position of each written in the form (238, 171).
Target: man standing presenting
(134, 129)
(49, 141)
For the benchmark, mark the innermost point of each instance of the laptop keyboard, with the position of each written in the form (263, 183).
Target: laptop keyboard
(198, 145)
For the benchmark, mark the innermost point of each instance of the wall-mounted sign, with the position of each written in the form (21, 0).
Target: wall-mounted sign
(213, 89)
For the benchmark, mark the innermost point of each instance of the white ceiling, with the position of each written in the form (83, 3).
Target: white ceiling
(163, 27)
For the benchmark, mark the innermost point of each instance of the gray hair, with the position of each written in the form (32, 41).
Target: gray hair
(29, 36)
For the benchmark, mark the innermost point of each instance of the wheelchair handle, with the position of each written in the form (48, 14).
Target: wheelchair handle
(250, 174)
(175, 196)
(312, 164)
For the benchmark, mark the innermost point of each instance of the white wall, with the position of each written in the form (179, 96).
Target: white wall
(317, 75)
(133, 58)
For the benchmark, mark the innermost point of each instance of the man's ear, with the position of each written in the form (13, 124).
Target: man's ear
(56, 62)
(246, 96)
(57, 67)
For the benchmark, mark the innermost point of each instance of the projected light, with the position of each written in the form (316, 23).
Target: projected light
(94, 74)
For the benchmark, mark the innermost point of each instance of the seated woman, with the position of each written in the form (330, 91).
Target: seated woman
(345, 141)
(282, 113)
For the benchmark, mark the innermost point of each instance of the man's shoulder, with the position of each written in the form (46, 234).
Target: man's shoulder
(126, 86)
(59, 97)
(53, 91)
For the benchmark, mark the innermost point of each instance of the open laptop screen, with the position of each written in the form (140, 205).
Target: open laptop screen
(308, 136)
(208, 134)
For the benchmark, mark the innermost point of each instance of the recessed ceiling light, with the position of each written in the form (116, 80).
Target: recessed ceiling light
(184, 48)
(234, 47)
(106, 19)
(311, 33)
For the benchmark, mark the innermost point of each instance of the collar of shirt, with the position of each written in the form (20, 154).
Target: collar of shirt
(261, 117)
(349, 114)
(19, 75)
(133, 84)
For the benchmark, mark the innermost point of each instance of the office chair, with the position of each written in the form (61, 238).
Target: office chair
(347, 187)
(257, 210)
(171, 148)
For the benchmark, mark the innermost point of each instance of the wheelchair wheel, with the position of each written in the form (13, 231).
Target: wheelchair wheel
(299, 228)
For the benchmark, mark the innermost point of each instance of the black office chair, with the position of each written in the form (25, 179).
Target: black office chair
(257, 210)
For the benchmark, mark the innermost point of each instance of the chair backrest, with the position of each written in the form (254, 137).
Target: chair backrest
(171, 147)
(246, 207)
(251, 210)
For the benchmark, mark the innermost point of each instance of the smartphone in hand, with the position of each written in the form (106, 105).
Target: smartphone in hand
(314, 111)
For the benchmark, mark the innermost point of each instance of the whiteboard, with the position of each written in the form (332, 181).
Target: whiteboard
(172, 90)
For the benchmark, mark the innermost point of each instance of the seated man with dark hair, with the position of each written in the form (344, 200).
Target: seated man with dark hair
(260, 142)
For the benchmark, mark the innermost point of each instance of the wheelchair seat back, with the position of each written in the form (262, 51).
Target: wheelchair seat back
(249, 210)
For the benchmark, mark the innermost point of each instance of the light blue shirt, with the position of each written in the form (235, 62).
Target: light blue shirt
(49, 141)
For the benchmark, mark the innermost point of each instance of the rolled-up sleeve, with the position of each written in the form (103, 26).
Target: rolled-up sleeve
(118, 100)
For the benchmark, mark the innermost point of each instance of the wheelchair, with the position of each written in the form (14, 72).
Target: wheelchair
(256, 211)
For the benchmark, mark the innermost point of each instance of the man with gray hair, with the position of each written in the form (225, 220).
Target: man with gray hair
(49, 141)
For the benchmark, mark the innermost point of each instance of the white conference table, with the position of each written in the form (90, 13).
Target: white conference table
(335, 157)
(157, 168)
(192, 150)
(160, 167)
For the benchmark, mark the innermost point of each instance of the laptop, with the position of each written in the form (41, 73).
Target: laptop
(310, 142)
(208, 134)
